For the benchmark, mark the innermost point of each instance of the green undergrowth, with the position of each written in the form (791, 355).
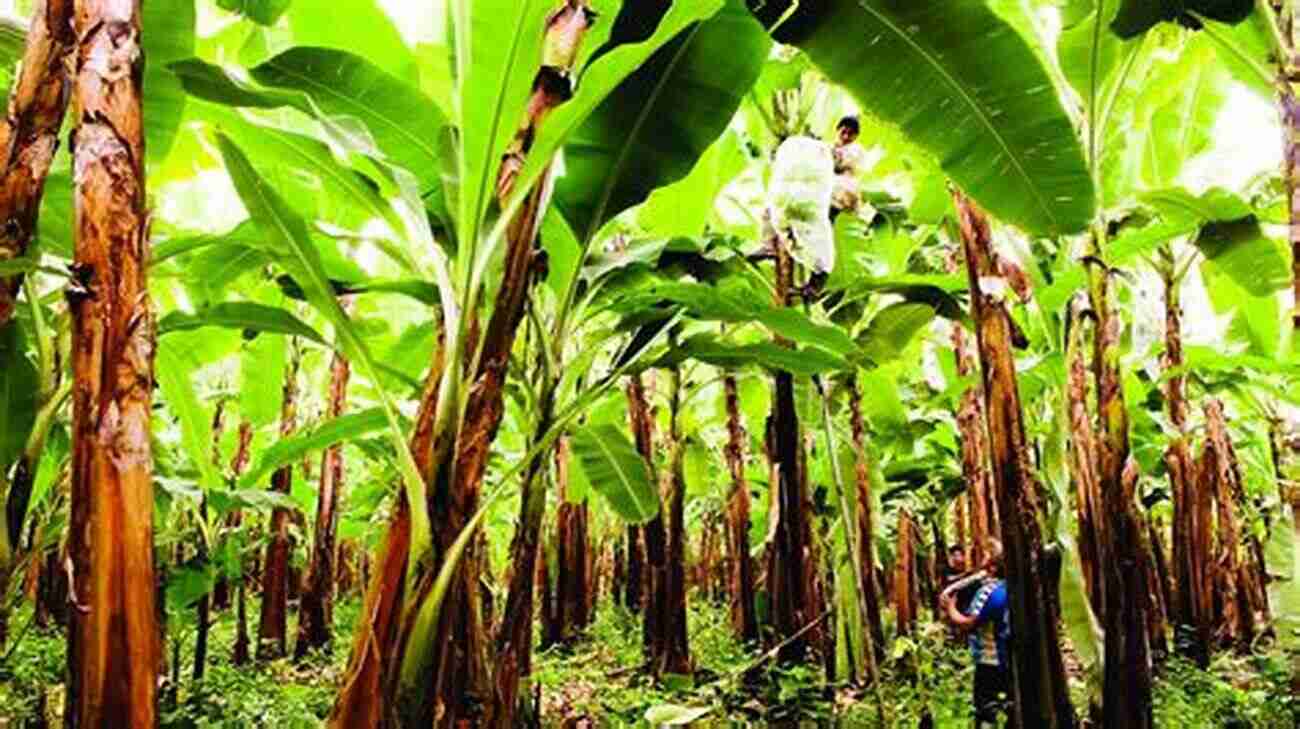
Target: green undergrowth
(925, 676)
(284, 694)
(600, 678)
(1251, 692)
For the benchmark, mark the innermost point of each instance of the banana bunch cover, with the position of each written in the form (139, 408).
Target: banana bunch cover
(799, 200)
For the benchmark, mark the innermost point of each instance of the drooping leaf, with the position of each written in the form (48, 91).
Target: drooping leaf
(167, 35)
(767, 355)
(290, 240)
(223, 501)
(562, 250)
(174, 371)
(990, 112)
(242, 236)
(1180, 111)
(798, 327)
(399, 123)
(617, 472)
(187, 584)
(328, 433)
(406, 125)
(1089, 54)
(601, 77)
(1242, 251)
(1214, 205)
(1283, 559)
(683, 208)
(657, 123)
(242, 315)
(881, 403)
(1244, 50)
(421, 291)
(306, 171)
(1257, 317)
(893, 329)
(261, 373)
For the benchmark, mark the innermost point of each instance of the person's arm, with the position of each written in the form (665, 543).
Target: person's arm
(963, 622)
(992, 608)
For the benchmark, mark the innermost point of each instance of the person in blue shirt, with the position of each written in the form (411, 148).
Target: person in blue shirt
(986, 621)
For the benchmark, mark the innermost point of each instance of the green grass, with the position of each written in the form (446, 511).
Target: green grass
(281, 694)
(600, 677)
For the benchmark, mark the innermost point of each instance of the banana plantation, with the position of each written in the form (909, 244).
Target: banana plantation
(381, 364)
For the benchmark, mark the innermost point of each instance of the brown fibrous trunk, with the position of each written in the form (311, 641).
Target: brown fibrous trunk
(113, 642)
(29, 135)
(791, 570)
(905, 597)
(866, 528)
(272, 630)
(744, 618)
(1040, 693)
(316, 609)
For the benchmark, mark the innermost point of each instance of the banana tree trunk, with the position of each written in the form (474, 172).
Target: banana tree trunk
(455, 682)
(1040, 693)
(514, 641)
(1083, 464)
(360, 702)
(29, 135)
(744, 618)
(1158, 579)
(791, 570)
(1202, 557)
(1126, 689)
(1289, 109)
(905, 598)
(316, 609)
(974, 442)
(237, 465)
(1254, 569)
(676, 654)
(664, 648)
(571, 552)
(114, 651)
(203, 611)
(634, 574)
(1178, 459)
(28, 139)
(641, 421)
(866, 528)
(1236, 621)
(272, 629)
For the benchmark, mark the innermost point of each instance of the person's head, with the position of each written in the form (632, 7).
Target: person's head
(848, 130)
(957, 558)
(993, 558)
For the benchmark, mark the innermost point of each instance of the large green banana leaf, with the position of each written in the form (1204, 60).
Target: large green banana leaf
(659, 121)
(964, 85)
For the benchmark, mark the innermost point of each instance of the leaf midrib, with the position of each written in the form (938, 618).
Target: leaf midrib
(624, 478)
(361, 109)
(642, 115)
(979, 111)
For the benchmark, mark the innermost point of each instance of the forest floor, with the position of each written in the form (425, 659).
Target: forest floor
(597, 681)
